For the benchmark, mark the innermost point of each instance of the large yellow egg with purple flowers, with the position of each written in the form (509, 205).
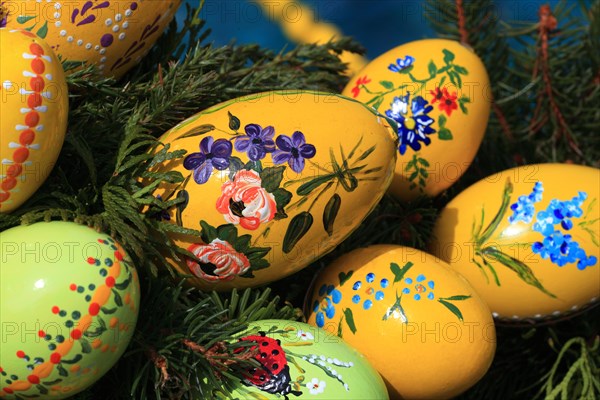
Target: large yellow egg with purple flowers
(273, 181)
(527, 239)
(438, 93)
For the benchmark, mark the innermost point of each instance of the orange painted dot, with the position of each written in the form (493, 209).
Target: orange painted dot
(110, 281)
(127, 298)
(41, 334)
(114, 349)
(20, 354)
(4, 196)
(55, 310)
(28, 34)
(34, 100)
(75, 368)
(94, 309)
(8, 184)
(113, 322)
(14, 170)
(55, 358)
(85, 371)
(122, 327)
(36, 49)
(96, 343)
(76, 334)
(32, 119)
(37, 83)
(38, 66)
(20, 155)
(104, 348)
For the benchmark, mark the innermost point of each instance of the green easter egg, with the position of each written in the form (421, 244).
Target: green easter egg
(69, 299)
(301, 361)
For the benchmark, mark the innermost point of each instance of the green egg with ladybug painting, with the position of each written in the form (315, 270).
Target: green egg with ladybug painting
(297, 360)
(69, 299)
(272, 182)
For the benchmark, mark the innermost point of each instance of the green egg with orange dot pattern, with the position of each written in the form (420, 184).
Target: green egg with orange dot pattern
(69, 300)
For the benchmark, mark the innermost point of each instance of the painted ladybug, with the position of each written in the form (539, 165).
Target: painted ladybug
(274, 376)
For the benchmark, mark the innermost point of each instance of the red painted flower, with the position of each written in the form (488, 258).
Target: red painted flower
(219, 261)
(360, 81)
(447, 101)
(244, 201)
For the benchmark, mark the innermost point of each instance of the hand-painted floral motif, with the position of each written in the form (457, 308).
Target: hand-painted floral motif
(359, 83)
(413, 123)
(326, 307)
(401, 64)
(3, 15)
(446, 100)
(422, 287)
(304, 336)
(293, 150)
(218, 261)
(213, 154)
(244, 201)
(316, 386)
(257, 142)
(369, 290)
(552, 223)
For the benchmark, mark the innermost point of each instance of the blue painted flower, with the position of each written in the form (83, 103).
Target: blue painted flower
(214, 154)
(257, 142)
(401, 63)
(524, 209)
(422, 285)
(414, 123)
(163, 215)
(293, 150)
(370, 291)
(557, 246)
(326, 307)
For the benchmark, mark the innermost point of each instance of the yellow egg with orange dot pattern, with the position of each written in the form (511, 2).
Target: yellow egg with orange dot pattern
(419, 323)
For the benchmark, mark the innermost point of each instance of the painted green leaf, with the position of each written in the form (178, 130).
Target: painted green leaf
(298, 227)
(442, 120)
(271, 178)
(227, 233)
(330, 213)
(86, 348)
(71, 361)
(407, 71)
(452, 308)
(445, 134)
(185, 197)
(21, 19)
(42, 389)
(234, 122)
(423, 162)
(197, 131)
(344, 277)
(366, 154)
(350, 319)
(461, 70)
(457, 297)
(400, 272)
(209, 233)
(43, 31)
(377, 103)
(61, 370)
(118, 299)
(448, 56)
(311, 185)
(339, 332)
(282, 198)
(432, 69)
(387, 84)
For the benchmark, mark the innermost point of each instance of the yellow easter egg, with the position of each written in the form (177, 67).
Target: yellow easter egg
(114, 35)
(274, 181)
(420, 324)
(527, 239)
(438, 93)
(33, 115)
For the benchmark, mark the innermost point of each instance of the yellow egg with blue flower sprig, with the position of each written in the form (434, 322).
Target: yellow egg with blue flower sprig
(419, 323)
(527, 240)
(438, 93)
(272, 182)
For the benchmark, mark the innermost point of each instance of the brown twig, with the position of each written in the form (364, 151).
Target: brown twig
(218, 355)
(161, 363)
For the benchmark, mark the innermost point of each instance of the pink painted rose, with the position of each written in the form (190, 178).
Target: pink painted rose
(243, 201)
(219, 261)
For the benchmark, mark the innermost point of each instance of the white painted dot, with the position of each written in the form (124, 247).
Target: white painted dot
(495, 315)
(119, 17)
(63, 33)
(125, 25)
(116, 28)
(57, 5)
(556, 313)
(58, 24)
(70, 39)
(103, 51)
(80, 42)
(103, 60)
(88, 46)
(97, 47)
(7, 85)
(56, 15)
(128, 12)
(122, 36)
(108, 22)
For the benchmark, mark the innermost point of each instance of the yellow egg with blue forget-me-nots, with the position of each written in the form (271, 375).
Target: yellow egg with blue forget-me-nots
(273, 181)
(527, 239)
(33, 115)
(438, 93)
(419, 323)
(113, 35)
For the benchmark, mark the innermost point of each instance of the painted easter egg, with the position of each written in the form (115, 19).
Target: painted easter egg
(114, 35)
(419, 323)
(273, 181)
(69, 301)
(297, 360)
(438, 93)
(527, 239)
(33, 115)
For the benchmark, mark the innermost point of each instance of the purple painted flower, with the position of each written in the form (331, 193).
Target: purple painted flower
(293, 151)
(3, 15)
(213, 154)
(257, 142)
